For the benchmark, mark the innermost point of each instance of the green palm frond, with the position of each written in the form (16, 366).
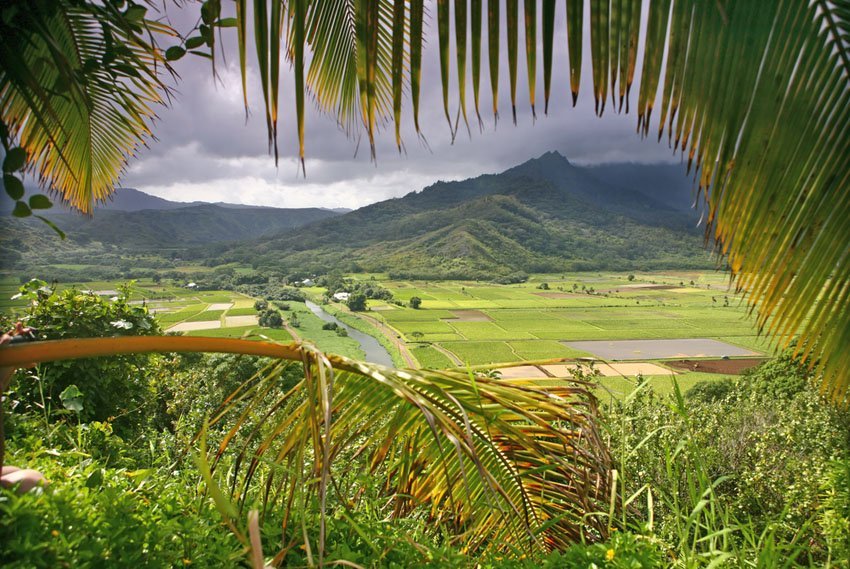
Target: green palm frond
(78, 84)
(503, 465)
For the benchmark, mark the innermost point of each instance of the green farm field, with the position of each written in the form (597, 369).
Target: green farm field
(485, 323)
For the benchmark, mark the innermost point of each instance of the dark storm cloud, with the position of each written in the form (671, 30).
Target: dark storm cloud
(207, 151)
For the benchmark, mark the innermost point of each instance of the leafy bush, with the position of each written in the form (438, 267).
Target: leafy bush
(754, 449)
(271, 319)
(111, 386)
(357, 302)
(710, 391)
(140, 514)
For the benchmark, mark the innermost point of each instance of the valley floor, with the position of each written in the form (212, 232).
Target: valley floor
(684, 324)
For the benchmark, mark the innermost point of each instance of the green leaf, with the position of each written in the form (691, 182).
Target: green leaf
(95, 479)
(40, 201)
(175, 52)
(210, 11)
(128, 69)
(15, 160)
(21, 210)
(14, 187)
(227, 23)
(195, 42)
(72, 398)
(135, 13)
(52, 226)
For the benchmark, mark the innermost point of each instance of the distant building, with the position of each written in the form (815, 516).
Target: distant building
(307, 282)
(341, 296)
(192, 285)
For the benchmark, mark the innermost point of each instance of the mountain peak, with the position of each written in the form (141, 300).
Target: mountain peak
(553, 156)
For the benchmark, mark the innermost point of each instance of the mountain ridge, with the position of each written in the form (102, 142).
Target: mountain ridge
(546, 214)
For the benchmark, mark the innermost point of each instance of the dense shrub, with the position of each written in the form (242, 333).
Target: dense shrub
(271, 319)
(764, 444)
(111, 386)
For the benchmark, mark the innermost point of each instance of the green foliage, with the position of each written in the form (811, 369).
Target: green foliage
(834, 514)
(261, 305)
(710, 391)
(109, 502)
(415, 302)
(357, 302)
(110, 386)
(622, 551)
(271, 319)
(340, 331)
(756, 458)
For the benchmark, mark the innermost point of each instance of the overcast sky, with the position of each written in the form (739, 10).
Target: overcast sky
(205, 149)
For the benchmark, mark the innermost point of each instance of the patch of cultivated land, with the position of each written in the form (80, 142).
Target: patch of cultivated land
(236, 321)
(485, 323)
(660, 349)
(192, 326)
(731, 366)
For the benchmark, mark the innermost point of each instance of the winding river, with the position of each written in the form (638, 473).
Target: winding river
(373, 349)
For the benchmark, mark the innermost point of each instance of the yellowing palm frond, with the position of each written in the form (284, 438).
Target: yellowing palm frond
(78, 84)
(501, 464)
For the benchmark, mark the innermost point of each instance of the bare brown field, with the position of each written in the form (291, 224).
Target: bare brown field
(732, 367)
(470, 316)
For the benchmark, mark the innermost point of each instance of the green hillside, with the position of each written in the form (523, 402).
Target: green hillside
(542, 216)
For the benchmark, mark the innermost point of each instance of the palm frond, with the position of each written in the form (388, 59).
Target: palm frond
(460, 51)
(493, 52)
(530, 10)
(575, 29)
(475, 14)
(512, 16)
(78, 84)
(548, 47)
(501, 464)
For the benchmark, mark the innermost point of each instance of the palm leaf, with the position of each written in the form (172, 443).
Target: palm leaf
(398, 66)
(78, 84)
(299, 21)
(599, 50)
(512, 8)
(417, 16)
(475, 16)
(502, 464)
(575, 28)
(443, 33)
(460, 51)
(493, 53)
(530, 10)
(548, 47)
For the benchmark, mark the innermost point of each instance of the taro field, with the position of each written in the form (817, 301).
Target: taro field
(483, 324)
